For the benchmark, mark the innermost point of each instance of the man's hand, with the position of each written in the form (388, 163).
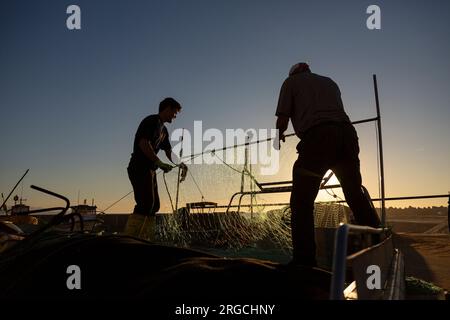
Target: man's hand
(277, 141)
(281, 126)
(164, 166)
(184, 170)
(182, 166)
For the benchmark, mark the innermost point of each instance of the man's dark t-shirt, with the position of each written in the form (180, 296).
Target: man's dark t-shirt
(310, 99)
(153, 130)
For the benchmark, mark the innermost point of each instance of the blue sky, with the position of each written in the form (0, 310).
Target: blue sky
(71, 100)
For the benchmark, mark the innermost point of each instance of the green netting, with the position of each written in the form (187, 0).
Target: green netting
(235, 230)
(255, 224)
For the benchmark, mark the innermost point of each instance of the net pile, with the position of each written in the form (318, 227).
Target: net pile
(236, 230)
(258, 223)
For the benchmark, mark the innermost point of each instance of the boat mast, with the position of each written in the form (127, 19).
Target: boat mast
(380, 143)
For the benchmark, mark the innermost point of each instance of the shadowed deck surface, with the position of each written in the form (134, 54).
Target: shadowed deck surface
(427, 256)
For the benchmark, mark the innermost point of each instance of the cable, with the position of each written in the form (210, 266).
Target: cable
(221, 160)
(103, 211)
(236, 146)
(198, 188)
(333, 194)
(167, 189)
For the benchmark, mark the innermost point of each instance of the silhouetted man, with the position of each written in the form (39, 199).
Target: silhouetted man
(328, 141)
(151, 136)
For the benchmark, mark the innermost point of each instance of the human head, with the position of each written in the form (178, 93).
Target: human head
(299, 68)
(168, 109)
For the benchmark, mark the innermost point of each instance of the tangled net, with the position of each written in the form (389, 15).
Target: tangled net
(236, 230)
(261, 225)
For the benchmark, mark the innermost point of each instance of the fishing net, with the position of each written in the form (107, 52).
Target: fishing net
(235, 230)
(201, 217)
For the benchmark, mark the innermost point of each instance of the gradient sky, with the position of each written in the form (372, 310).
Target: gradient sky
(72, 100)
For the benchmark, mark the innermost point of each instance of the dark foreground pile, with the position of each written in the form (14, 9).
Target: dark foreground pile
(123, 267)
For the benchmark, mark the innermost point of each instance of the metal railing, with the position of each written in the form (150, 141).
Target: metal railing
(340, 256)
(434, 196)
(341, 239)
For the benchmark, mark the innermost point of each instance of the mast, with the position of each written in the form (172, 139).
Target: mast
(380, 142)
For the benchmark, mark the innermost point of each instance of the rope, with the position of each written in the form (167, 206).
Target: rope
(103, 211)
(238, 171)
(195, 182)
(167, 189)
(192, 156)
(221, 160)
(333, 194)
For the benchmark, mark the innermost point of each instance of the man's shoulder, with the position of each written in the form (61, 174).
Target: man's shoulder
(324, 79)
(150, 120)
(151, 117)
(316, 75)
(307, 76)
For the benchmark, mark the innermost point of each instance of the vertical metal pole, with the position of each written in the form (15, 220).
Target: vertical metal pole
(244, 170)
(251, 181)
(380, 141)
(179, 172)
(448, 212)
(339, 262)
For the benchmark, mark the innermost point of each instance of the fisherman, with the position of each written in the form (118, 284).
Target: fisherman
(328, 141)
(151, 136)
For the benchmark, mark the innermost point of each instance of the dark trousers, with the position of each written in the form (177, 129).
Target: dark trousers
(145, 189)
(328, 146)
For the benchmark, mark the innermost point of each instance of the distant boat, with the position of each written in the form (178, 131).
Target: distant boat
(20, 209)
(85, 210)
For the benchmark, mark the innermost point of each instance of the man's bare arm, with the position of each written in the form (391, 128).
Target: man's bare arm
(147, 149)
(169, 155)
(281, 125)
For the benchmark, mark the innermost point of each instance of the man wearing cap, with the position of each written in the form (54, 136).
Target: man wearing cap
(328, 141)
(151, 136)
